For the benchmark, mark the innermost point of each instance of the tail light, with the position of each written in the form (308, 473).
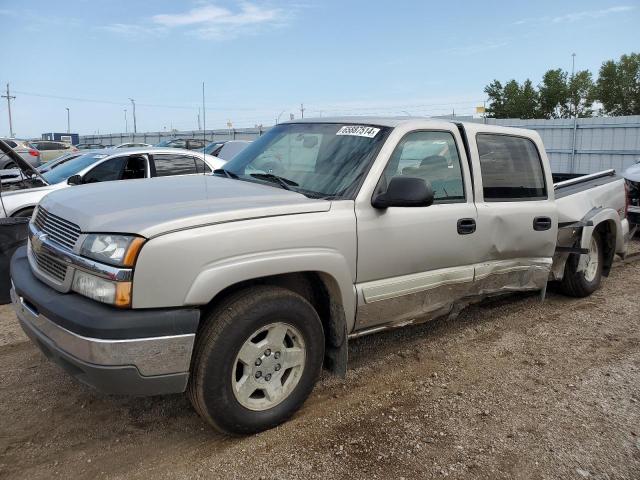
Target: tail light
(34, 153)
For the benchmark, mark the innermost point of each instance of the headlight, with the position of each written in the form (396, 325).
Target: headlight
(113, 249)
(102, 290)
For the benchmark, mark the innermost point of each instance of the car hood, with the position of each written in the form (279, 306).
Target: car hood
(155, 206)
(632, 173)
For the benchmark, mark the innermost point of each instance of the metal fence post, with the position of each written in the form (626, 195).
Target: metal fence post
(573, 145)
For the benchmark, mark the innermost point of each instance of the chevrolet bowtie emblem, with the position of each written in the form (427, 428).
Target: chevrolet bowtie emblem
(37, 240)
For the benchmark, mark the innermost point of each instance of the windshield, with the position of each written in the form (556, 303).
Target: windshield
(67, 169)
(320, 160)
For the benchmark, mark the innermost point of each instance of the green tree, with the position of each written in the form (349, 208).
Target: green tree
(581, 90)
(554, 94)
(495, 92)
(513, 100)
(618, 86)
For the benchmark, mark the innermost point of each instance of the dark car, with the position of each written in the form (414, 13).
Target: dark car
(89, 146)
(188, 143)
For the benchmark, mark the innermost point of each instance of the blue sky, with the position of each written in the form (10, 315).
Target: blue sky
(261, 58)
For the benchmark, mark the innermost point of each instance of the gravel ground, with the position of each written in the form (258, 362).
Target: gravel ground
(513, 388)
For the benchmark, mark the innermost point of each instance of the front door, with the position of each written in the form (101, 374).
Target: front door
(414, 262)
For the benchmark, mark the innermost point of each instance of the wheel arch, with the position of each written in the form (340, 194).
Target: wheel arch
(605, 223)
(328, 287)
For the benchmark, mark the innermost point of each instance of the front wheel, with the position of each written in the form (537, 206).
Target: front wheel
(256, 360)
(584, 283)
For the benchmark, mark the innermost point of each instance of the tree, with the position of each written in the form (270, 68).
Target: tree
(554, 94)
(513, 100)
(581, 95)
(618, 86)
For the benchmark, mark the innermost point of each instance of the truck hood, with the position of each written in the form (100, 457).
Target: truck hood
(151, 207)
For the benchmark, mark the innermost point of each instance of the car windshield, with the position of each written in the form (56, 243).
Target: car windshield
(72, 167)
(320, 160)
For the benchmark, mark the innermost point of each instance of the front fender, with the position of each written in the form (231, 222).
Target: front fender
(221, 274)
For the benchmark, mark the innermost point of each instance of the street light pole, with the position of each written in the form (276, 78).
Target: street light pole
(126, 123)
(68, 120)
(135, 128)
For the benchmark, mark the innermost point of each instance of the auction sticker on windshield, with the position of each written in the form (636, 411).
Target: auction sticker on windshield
(358, 131)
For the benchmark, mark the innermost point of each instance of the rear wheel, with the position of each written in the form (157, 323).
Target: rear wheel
(584, 283)
(10, 165)
(256, 360)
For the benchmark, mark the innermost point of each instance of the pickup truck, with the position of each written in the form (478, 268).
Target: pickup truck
(238, 287)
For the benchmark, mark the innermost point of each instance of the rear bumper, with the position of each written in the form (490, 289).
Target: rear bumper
(132, 363)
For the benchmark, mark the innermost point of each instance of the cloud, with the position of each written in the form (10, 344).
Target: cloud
(133, 31)
(211, 21)
(577, 16)
(476, 48)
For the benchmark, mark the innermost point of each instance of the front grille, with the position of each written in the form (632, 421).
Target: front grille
(51, 266)
(59, 230)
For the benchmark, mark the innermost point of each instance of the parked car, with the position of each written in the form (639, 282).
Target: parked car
(22, 148)
(15, 175)
(226, 150)
(89, 146)
(632, 177)
(133, 145)
(238, 287)
(188, 143)
(49, 149)
(106, 165)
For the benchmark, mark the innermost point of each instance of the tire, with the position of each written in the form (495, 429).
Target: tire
(230, 354)
(10, 165)
(26, 213)
(583, 284)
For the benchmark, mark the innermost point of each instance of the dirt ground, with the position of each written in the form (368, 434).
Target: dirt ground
(513, 388)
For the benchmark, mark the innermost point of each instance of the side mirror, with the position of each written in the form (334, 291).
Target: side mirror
(405, 192)
(74, 180)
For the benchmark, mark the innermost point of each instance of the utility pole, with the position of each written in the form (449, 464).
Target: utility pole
(573, 70)
(301, 110)
(135, 127)
(199, 120)
(68, 120)
(126, 123)
(9, 97)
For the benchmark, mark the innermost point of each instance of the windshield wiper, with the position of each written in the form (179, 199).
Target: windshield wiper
(283, 182)
(226, 173)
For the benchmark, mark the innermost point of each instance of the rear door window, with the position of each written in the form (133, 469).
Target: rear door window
(168, 165)
(511, 168)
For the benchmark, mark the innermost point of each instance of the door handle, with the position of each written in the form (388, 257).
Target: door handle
(466, 226)
(541, 224)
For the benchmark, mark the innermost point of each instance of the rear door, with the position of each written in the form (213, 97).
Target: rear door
(517, 222)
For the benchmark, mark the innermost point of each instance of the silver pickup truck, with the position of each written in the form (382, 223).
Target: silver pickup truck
(238, 287)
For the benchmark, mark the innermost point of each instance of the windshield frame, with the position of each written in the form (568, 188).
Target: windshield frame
(350, 192)
(96, 156)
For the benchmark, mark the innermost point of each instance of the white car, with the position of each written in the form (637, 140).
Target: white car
(103, 166)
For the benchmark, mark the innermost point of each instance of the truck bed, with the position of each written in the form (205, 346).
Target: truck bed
(566, 184)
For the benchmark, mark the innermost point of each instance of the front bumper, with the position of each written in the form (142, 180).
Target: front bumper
(145, 352)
